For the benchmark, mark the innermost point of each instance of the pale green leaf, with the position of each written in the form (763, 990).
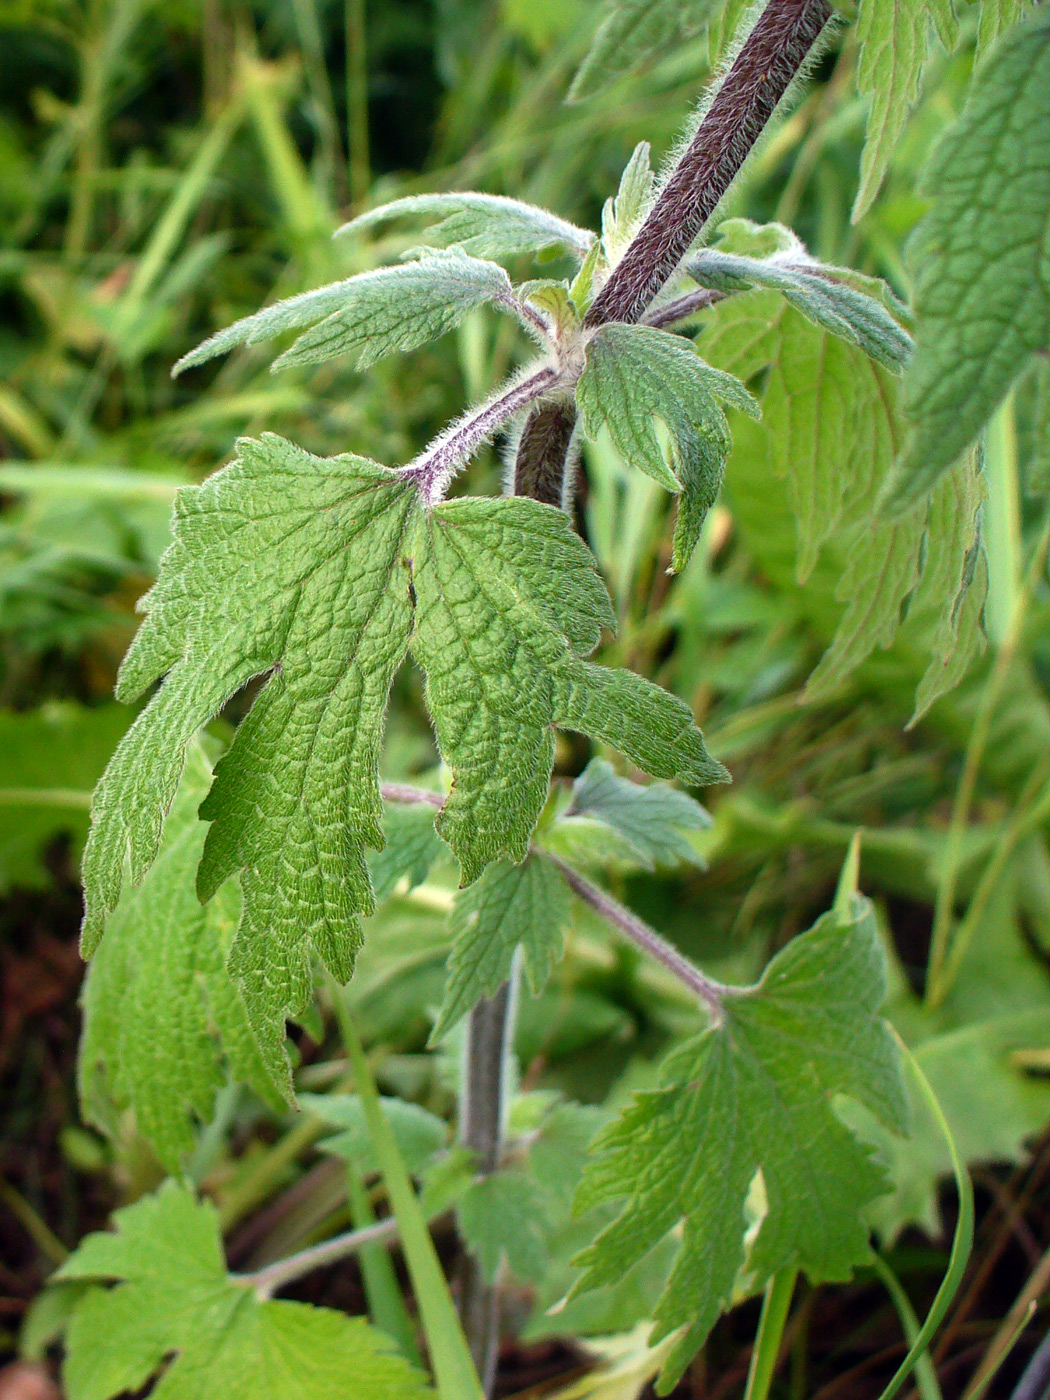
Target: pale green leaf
(631, 32)
(511, 905)
(161, 1013)
(623, 214)
(419, 1135)
(823, 295)
(484, 225)
(288, 566)
(634, 375)
(36, 804)
(651, 821)
(411, 846)
(508, 601)
(373, 314)
(754, 1094)
(996, 17)
(895, 38)
(177, 1312)
(1037, 477)
(982, 258)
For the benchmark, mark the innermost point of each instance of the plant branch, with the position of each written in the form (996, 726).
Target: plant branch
(268, 1280)
(435, 467)
(405, 792)
(636, 931)
(672, 311)
(750, 93)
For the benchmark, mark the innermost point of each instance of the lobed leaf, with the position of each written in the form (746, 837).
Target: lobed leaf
(752, 1099)
(484, 225)
(410, 847)
(981, 256)
(161, 1013)
(318, 575)
(373, 314)
(634, 375)
(511, 905)
(177, 1312)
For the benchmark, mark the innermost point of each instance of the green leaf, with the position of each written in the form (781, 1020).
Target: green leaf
(484, 225)
(1038, 475)
(895, 38)
(823, 294)
(623, 215)
(634, 375)
(500, 1218)
(305, 571)
(754, 1094)
(175, 1310)
(411, 846)
(650, 820)
(631, 32)
(527, 904)
(36, 745)
(418, 1134)
(829, 421)
(374, 313)
(508, 600)
(161, 1013)
(981, 257)
(289, 566)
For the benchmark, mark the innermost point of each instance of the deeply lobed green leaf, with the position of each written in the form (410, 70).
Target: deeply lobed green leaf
(318, 575)
(176, 1311)
(749, 1100)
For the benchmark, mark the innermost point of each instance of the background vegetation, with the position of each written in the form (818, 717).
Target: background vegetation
(167, 167)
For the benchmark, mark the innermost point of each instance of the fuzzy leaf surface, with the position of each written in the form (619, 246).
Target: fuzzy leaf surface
(651, 821)
(373, 314)
(822, 294)
(419, 1135)
(754, 1094)
(289, 566)
(527, 904)
(636, 374)
(483, 225)
(508, 602)
(501, 1217)
(175, 1310)
(160, 1010)
(982, 258)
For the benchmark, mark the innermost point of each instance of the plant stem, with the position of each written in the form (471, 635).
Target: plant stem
(750, 93)
(275, 1276)
(710, 992)
(435, 467)
(482, 1114)
(775, 1307)
(541, 465)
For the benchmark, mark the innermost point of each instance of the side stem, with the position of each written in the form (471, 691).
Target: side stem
(750, 93)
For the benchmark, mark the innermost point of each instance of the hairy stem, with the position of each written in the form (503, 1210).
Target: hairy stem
(435, 467)
(542, 463)
(482, 1114)
(638, 932)
(762, 72)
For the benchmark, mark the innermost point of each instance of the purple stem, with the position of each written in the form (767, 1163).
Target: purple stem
(681, 307)
(748, 96)
(434, 468)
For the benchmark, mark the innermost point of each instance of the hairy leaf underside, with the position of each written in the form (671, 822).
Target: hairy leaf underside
(319, 576)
